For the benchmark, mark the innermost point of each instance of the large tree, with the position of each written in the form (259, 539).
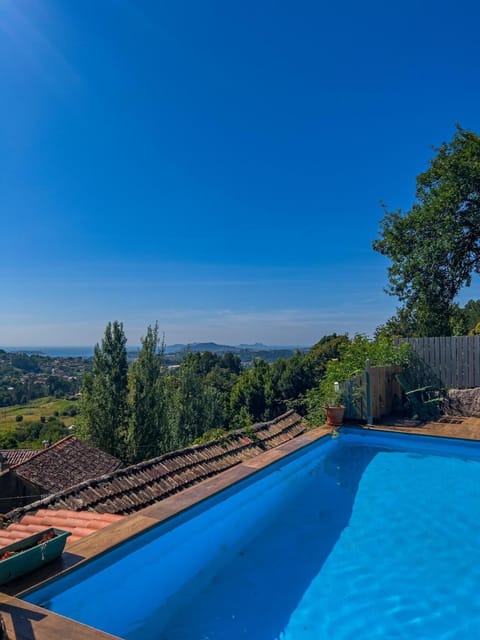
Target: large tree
(105, 393)
(149, 432)
(253, 396)
(193, 406)
(434, 247)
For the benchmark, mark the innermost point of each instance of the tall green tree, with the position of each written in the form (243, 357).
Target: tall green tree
(149, 434)
(105, 394)
(471, 312)
(193, 406)
(434, 247)
(327, 348)
(253, 395)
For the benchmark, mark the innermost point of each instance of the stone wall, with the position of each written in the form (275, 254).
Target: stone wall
(464, 402)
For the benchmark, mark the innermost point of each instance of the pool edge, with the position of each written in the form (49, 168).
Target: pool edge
(49, 626)
(107, 539)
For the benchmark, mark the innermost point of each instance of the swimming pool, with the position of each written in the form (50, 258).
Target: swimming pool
(366, 536)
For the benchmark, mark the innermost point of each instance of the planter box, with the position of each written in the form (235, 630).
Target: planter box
(30, 554)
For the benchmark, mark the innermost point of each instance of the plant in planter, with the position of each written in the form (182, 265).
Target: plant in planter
(324, 405)
(32, 552)
(333, 407)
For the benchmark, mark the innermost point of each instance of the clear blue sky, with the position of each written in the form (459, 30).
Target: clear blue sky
(216, 166)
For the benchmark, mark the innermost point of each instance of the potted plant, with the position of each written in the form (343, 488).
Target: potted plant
(333, 407)
(32, 552)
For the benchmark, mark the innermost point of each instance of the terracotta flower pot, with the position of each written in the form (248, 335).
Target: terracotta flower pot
(334, 415)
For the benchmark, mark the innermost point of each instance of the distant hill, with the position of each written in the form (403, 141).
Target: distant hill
(25, 377)
(213, 347)
(247, 353)
(257, 346)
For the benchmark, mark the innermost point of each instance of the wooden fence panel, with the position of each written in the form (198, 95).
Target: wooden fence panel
(354, 391)
(454, 361)
(385, 392)
(470, 378)
(448, 373)
(471, 365)
(377, 390)
(475, 360)
(462, 371)
(437, 356)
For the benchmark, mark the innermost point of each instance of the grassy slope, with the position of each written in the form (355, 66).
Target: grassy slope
(32, 412)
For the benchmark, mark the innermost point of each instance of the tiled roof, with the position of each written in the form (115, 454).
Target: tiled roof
(79, 523)
(17, 456)
(66, 463)
(128, 490)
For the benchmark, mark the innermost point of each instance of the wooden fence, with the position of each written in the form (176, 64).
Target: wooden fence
(454, 361)
(450, 362)
(385, 393)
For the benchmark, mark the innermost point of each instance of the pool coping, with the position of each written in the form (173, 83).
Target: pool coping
(25, 621)
(409, 431)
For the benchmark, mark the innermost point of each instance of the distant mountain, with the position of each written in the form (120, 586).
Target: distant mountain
(213, 347)
(175, 348)
(258, 346)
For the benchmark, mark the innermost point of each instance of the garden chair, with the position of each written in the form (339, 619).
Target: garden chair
(426, 402)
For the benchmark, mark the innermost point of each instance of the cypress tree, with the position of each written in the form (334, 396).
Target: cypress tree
(149, 431)
(105, 394)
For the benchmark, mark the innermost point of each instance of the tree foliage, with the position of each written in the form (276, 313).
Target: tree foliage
(26, 377)
(33, 435)
(105, 392)
(149, 430)
(434, 247)
(471, 313)
(250, 397)
(194, 406)
(351, 361)
(149, 409)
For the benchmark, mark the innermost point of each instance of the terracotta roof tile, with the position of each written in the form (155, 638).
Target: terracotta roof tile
(129, 490)
(64, 464)
(79, 523)
(17, 456)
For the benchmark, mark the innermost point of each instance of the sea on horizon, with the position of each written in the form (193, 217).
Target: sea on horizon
(53, 352)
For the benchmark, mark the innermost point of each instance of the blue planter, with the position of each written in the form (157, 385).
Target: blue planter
(30, 554)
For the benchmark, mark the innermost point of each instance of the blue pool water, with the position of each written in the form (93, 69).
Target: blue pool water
(363, 537)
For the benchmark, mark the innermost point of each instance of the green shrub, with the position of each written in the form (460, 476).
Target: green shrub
(352, 361)
(210, 435)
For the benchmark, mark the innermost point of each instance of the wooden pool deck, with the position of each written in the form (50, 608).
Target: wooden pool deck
(446, 427)
(25, 621)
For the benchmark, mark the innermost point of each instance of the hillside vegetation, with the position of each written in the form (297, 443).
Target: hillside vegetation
(27, 426)
(25, 377)
(144, 409)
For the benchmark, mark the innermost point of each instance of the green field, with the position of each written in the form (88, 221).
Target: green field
(34, 410)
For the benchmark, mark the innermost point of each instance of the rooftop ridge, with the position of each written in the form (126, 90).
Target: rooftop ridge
(65, 464)
(131, 488)
(43, 451)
